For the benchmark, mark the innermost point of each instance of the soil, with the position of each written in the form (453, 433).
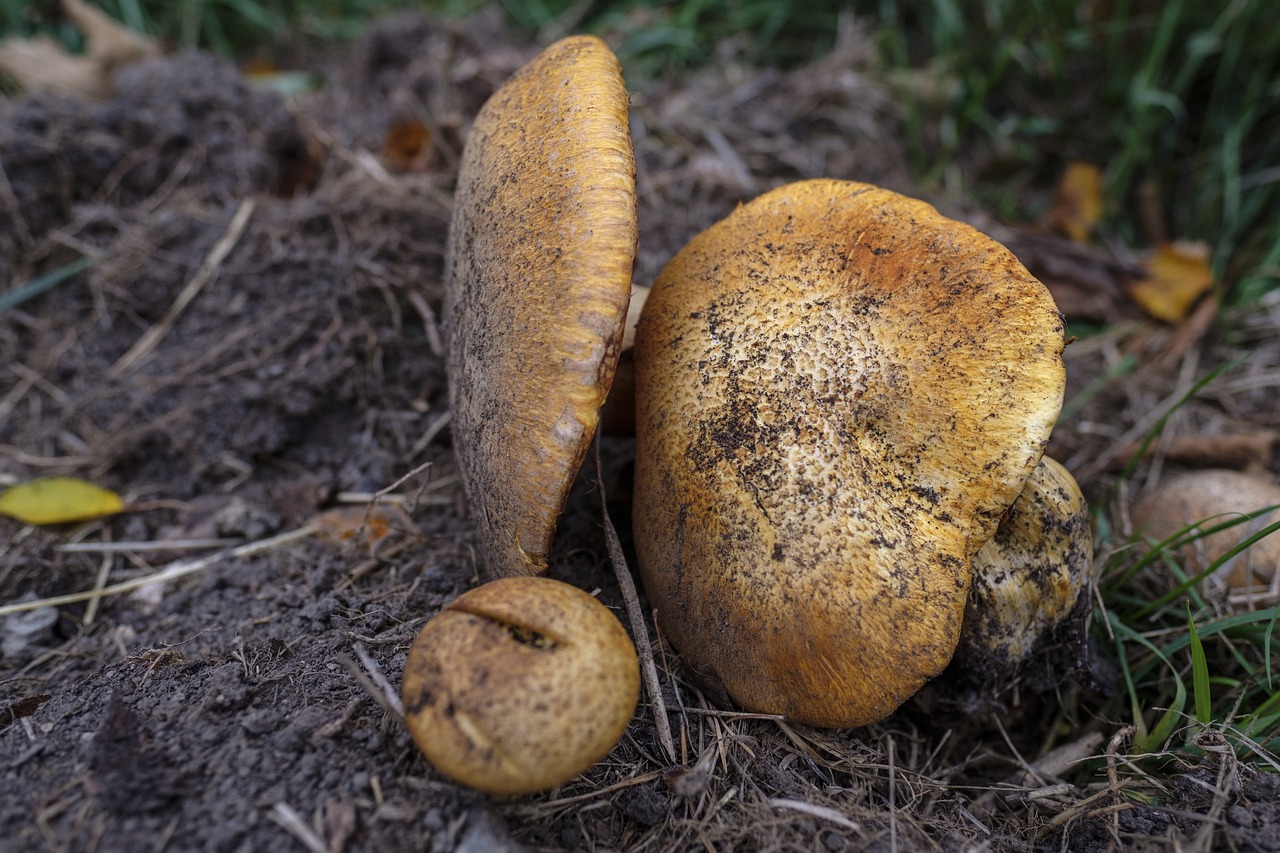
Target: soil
(242, 707)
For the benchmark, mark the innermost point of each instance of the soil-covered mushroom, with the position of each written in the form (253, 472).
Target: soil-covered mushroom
(519, 685)
(839, 392)
(538, 276)
(1029, 576)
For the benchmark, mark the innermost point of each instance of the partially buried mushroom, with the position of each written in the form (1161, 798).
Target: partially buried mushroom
(1027, 578)
(538, 275)
(839, 392)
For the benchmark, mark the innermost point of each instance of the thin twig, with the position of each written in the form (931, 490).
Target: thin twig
(173, 571)
(104, 571)
(393, 499)
(1113, 781)
(290, 821)
(812, 810)
(375, 672)
(139, 547)
(893, 797)
(190, 291)
(15, 207)
(648, 669)
(433, 429)
(599, 793)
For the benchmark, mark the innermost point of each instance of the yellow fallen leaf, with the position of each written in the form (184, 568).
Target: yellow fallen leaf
(1077, 204)
(1178, 274)
(56, 500)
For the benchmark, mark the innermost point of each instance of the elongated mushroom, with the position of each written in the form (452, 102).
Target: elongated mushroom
(1029, 576)
(538, 275)
(839, 392)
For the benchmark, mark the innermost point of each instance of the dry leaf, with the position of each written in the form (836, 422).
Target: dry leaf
(360, 524)
(1178, 274)
(41, 65)
(111, 44)
(407, 145)
(1078, 202)
(57, 500)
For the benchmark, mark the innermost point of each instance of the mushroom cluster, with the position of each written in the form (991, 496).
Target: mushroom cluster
(842, 400)
(839, 393)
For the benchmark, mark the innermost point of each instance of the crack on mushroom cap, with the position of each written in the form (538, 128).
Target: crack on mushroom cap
(839, 392)
(524, 634)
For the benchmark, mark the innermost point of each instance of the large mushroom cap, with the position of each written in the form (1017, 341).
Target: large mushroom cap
(538, 275)
(839, 392)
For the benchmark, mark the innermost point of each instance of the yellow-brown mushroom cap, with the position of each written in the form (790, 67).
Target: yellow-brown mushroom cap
(839, 392)
(538, 275)
(519, 685)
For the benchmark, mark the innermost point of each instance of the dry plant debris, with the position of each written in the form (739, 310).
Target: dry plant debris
(41, 65)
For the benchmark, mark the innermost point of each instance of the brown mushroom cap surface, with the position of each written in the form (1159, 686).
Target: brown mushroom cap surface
(1208, 499)
(839, 392)
(538, 275)
(1028, 577)
(519, 685)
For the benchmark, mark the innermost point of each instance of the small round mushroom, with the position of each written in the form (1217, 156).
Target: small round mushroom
(1207, 499)
(1029, 576)
(538, 275)
(839, 392)
(519, 685)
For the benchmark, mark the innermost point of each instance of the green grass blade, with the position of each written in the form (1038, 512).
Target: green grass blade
(18, 295)
(1199, 674)
(1225, 625)
(1147, 740)
(1208, 571)
(1158, 428)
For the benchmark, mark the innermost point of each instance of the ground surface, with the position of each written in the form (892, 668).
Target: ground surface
(230, 710)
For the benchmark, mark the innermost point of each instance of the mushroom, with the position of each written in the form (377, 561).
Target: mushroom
(839, 392)
(520, 685)
(538, 275)
(1207, 499)
(618, 414)
(1029, 576)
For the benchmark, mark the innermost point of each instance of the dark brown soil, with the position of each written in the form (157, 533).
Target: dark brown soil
(231, 710)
